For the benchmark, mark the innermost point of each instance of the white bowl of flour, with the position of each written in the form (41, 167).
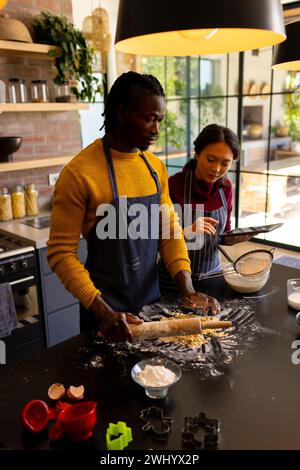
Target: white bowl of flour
(156, 375)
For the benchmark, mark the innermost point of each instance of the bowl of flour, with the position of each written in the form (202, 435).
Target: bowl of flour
(156, 375)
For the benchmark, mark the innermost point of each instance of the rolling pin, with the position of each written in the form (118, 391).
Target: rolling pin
(181, 327)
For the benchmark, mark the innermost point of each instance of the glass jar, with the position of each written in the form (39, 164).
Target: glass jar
(31, 199)
(5, 205)
(17, 90)
(63, 93)
(18, 201)
(2, 92)
(39, 91)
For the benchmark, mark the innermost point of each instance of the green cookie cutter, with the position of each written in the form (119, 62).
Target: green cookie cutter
(124, 438)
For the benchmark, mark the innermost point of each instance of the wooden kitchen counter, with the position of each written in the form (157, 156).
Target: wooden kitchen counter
(256, 398)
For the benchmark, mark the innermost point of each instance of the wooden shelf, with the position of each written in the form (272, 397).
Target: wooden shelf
(29, 49)
(41, 107)
(38, 163)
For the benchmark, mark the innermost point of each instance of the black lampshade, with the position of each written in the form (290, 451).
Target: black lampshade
(194, 27)
(287, 54)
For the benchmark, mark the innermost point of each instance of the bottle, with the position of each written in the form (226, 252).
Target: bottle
(18, 202)
(5, 205)
(31, 199)
(63, 93)
(17, 90)
(39, 91)
(2, 92)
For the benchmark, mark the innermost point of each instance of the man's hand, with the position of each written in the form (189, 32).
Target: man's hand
(201, 301)
(192, 299)
(112, 324)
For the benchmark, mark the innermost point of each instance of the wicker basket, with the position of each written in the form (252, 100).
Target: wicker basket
(13, 30)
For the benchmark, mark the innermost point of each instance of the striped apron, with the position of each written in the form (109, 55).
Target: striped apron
(206, 259)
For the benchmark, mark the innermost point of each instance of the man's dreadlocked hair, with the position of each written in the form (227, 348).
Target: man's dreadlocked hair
(120, 94)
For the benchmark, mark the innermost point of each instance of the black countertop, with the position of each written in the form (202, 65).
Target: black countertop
(256, 397)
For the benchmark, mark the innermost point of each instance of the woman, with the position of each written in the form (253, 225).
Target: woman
(203, 181)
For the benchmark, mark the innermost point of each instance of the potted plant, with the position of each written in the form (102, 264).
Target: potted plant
(73, 62)
(279, 129)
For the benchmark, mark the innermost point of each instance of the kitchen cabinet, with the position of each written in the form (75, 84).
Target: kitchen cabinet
(60, 308)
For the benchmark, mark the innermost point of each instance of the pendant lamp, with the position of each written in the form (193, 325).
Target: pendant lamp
(2, 3)
(287, 54)
(195, 27)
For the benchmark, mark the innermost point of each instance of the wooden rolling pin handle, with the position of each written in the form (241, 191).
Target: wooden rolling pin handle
(215, 324)
(181, 327)
(161, 329)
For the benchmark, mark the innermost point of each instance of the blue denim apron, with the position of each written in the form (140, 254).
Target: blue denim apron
(206, 259)
(124, 270)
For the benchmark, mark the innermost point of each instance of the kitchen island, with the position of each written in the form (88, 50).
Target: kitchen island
(255, 396)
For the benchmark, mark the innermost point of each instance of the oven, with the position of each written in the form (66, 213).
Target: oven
(18, 268)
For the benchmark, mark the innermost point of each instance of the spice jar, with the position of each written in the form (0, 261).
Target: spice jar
(31, 199)
(18, 201)
(63, 93)
(17, 90)
(2, 92)
(5, 205)
(39, 91)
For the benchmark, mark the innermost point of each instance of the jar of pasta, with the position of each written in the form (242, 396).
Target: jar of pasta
(5, 205)
(31, 199)
(18, 201)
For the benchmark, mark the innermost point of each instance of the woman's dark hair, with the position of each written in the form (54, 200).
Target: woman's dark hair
(120, 93)
(212, 134)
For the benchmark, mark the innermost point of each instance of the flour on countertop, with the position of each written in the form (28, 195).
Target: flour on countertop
(156, 376)
(211, 358)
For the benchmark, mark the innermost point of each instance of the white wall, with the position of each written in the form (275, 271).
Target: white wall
(83, 8)
(91, 119)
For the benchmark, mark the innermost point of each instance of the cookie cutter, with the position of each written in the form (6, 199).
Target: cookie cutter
(153, 413)
(123, 432)
(211, 428)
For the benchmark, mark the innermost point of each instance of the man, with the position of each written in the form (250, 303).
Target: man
(120, 274)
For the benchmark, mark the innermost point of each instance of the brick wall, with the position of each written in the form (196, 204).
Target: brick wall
(44, 134)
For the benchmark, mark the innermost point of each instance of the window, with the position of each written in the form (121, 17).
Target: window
(266, 114)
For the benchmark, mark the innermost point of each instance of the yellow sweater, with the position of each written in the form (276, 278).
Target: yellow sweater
(84, 184)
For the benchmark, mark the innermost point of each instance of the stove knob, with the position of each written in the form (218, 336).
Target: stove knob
(24, 263)
(13, 266)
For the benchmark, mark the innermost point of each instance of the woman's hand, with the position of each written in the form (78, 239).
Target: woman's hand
(236, 239)
(113, 325)
(201, 225)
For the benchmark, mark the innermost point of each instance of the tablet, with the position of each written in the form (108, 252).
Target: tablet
(251, 230)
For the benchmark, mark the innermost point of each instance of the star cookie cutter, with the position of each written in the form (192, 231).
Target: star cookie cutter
(123, 432)
(211, 428)
(155, 422)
